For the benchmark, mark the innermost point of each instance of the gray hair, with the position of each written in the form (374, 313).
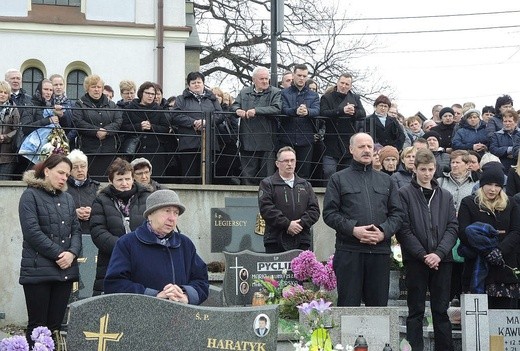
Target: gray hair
(11, 70)
(259, 69)
(77, 156)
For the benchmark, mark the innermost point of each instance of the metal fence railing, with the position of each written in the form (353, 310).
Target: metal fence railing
(180, 150)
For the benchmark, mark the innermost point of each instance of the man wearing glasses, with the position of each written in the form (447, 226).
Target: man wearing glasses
(288, 205)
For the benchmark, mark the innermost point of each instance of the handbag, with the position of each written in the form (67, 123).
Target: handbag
(131, 144)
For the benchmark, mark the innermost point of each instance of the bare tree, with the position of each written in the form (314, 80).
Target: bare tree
(235, 36)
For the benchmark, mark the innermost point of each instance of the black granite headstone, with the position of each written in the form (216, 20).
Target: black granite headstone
(242, 268)
(237, 227)
(119, 322)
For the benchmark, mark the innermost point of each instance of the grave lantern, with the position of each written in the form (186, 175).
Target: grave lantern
(360, 344)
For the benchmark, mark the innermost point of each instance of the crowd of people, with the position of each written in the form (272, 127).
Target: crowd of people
(247, 131)
(446, 187)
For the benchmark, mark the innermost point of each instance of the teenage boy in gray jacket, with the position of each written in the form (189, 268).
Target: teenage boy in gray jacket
(428, 234)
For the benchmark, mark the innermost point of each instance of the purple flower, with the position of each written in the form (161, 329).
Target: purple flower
(39, 331)
(304, 265)
(40, 347)
(14, 343)
(321, 305)
(306, 308)
(46, 341)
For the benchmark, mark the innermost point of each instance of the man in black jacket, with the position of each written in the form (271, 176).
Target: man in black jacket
(288, 205)
(362, 205)
(344, 111)
(428, 234)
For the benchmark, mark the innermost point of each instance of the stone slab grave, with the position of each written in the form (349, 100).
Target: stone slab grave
(486, 329)
(138, 322)
(504, 330)
(238, 226)
(242, 268)
(474, 322)
(379, 325)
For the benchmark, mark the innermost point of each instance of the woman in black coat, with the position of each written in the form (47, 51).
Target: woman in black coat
(51, 243)
(491, 205)
(97, 121)
(195, 98)
(145, 116)
(117, 210)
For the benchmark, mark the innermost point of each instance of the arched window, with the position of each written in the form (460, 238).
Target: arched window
(75, 3)
(30, 78)
(75, 80)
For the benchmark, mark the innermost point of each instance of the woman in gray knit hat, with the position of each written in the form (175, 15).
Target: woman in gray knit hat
(156, 259)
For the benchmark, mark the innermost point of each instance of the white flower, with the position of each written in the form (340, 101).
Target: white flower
(396, 253)
(338, 347)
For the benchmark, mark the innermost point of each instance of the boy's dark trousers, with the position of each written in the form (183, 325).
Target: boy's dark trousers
(419, 278)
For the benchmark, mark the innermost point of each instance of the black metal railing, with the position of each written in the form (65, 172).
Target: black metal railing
(179, 153)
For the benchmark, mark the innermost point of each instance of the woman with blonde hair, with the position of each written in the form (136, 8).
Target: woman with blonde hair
(98, 122)
(404, 173)
(490, 214)
(9, 121)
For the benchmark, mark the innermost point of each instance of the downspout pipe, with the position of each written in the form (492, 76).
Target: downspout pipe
(160, 42)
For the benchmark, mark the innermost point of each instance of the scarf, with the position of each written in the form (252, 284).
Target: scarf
(197, 96)
(5, 111)
(96, 102)
(60, 100)
(123, 198)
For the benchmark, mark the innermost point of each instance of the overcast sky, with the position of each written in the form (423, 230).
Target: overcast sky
(442, 66)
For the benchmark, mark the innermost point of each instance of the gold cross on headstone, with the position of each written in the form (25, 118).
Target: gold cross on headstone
(103, 337)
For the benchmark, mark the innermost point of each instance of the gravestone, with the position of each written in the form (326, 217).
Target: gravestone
(87, 270)
(238, 226)
(137, 322)
(504, 330)
(474, 322)
(242, 268)
(379, 325)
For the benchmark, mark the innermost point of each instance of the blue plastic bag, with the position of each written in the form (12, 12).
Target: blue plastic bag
(32, 145)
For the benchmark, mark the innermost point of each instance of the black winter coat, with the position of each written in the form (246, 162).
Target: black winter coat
(49, 227)
(339, 127)
(446, 131)
(89, 119)
(189, 138)
(428, 227)
(107, 225)
(83, 196)
(389, 134)
(358, 196)
(509, 242)
(149, 142)
(280, 204)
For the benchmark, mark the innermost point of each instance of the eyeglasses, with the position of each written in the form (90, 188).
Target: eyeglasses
(139, 174)
(76, 167)
(149, 93)
(287, 161)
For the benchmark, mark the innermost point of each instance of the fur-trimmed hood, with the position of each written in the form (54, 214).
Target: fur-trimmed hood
(31, 180)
